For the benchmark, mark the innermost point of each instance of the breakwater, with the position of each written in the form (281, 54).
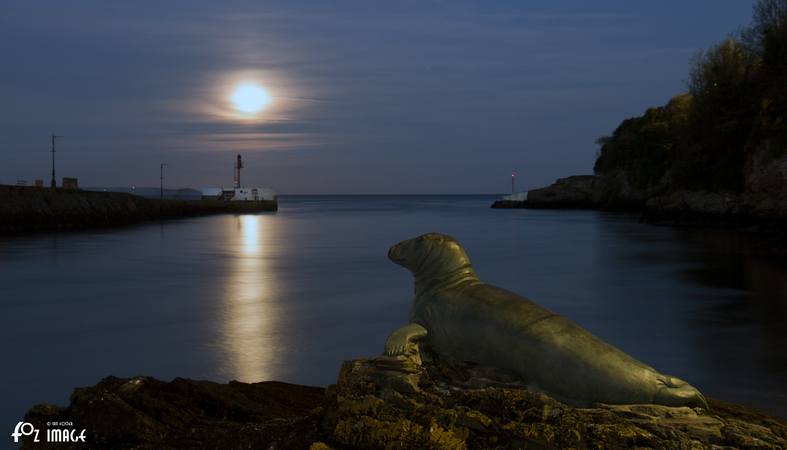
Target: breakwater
(27, 209)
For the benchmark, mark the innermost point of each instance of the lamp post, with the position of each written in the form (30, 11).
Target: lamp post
(513, 181)
(162, 181)
(53, 184)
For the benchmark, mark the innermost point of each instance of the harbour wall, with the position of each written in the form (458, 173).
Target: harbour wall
(27, 209)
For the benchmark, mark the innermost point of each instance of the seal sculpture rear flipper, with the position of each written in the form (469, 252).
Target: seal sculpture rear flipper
(676, 392)
(397, 342)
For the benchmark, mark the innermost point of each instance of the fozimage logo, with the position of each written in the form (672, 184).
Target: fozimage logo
(57, 434)
(25, 429)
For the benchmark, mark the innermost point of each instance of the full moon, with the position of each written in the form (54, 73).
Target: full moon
(250, 98)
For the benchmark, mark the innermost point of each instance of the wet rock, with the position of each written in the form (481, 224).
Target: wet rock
(415, 401)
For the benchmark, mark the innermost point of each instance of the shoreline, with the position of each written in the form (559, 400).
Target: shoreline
(747, 211)
(764, 233)
(31, 209)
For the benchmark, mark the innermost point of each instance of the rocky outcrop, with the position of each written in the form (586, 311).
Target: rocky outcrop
(766, 170)
(581, 192)
(686, 207)
(24, 209)
(145, 413)
(572, 192)
(416, 401)
(395, 403)
(615, 191)
(766, 181)
(763, 201)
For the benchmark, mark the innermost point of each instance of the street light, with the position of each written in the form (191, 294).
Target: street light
(163, 165)
(54, 183)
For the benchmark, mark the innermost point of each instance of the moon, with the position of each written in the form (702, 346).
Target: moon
(250, 98)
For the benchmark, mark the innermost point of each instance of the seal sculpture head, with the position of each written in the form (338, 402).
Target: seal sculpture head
(464, 318)
(431, 255)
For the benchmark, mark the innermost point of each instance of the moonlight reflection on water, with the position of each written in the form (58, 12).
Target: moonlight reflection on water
(250, 307)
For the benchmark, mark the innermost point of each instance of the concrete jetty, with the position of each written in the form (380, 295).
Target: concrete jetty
(27, 209)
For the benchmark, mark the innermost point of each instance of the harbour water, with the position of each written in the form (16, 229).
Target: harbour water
(290, 295)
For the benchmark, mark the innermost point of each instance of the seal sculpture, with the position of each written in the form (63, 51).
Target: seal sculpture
(464, 318)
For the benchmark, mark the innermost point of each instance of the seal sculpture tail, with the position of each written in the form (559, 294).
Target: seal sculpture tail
(464, 318)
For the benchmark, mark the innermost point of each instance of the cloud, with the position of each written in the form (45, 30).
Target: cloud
(355, 84)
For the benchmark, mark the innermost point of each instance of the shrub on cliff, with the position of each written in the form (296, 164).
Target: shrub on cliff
(699, 141)
(768, 37)
(643, 148)
(725, 83)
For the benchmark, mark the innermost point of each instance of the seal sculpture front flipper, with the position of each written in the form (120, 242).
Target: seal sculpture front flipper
(470, 320)
(397, 342)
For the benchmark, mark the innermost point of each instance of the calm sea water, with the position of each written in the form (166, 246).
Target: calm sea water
(290, 295)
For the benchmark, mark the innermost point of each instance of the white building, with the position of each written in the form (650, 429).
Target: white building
(516, 197)
(246, 193)
(239, 194)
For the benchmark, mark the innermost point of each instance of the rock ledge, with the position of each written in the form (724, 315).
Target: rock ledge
(416, 401)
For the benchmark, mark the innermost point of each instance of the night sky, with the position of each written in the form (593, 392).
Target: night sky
(366, 97)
